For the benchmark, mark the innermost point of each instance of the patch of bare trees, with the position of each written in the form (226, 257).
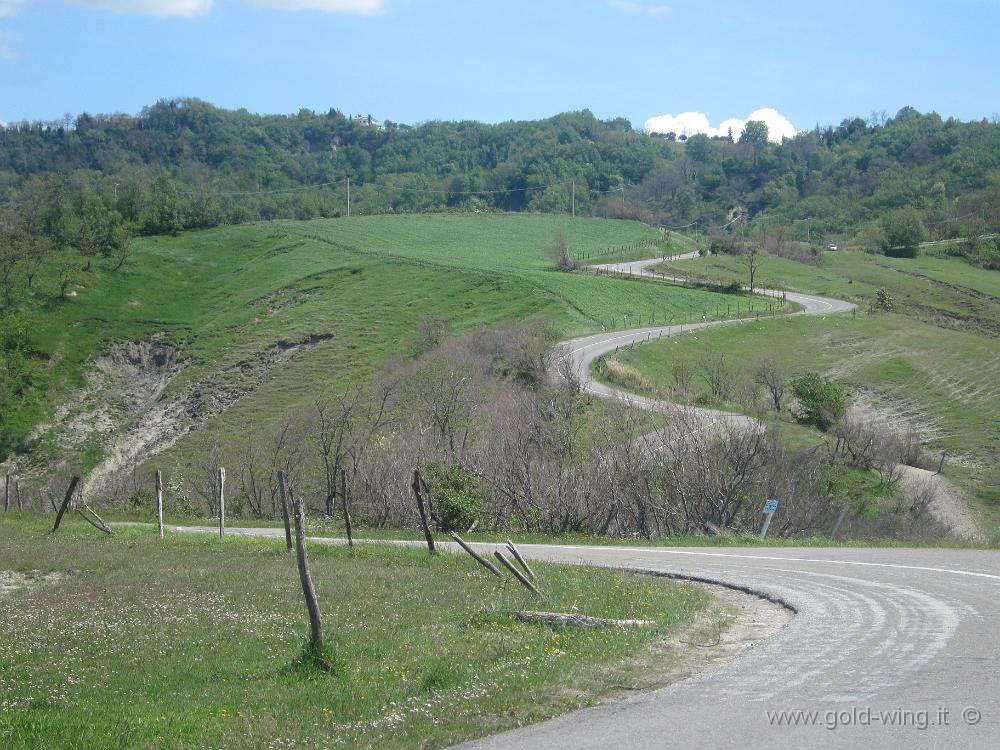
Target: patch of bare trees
(486, 425)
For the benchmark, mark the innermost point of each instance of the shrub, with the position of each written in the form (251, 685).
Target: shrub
(457, 504)
(821, 401)
(883, 300)
(559, 252)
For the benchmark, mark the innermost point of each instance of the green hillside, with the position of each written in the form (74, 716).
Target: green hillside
(224, 296)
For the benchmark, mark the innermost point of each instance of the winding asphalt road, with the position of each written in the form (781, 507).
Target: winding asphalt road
(582, 352)
(889, 648)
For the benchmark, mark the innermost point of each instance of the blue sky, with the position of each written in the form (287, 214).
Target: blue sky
(416, 60)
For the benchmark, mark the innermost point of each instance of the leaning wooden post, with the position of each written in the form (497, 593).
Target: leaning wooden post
(476, 556)
(347, 508)
(516, 573)
(65, 503)
(315, 621)
(159, 504)
(222, 502)
(423, 513)
(517, 556)
(284, 509)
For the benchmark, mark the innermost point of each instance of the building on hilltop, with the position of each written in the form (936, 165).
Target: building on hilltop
(367, 120)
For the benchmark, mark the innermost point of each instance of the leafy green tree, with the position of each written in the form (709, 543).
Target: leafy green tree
(164, 215)
(821, 400)
(755, 133)
(904, 231)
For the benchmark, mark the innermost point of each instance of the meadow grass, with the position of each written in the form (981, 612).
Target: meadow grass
(224, 295)
(191, 641)
(923, 285)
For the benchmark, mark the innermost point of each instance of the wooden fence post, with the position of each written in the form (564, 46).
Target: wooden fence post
(517, 556)
(17, 491)
(159, 504)
(284, 509)
(417, 482)
(476, 556)
(6, 494)
(65, 503)
(308, 591)
(222, 502)
(516, 573)
(347, 508)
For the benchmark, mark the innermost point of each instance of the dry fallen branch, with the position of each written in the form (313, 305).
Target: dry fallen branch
(98, 524)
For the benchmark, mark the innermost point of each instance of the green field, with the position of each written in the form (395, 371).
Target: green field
(933, 364)
(946, 382)
(142, 643)
(226, 294)
(936, 289)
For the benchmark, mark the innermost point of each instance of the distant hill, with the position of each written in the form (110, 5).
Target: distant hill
(185, 163)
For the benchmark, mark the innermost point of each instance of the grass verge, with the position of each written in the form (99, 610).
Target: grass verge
(191, 642)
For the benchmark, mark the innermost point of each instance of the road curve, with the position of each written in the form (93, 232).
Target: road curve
(889, 648)
(580, 353)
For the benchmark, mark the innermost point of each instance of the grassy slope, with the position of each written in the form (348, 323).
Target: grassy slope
(923, 285)
(227, 293)
(192, 646)
(944, 377)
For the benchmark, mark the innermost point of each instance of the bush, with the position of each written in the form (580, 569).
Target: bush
(883, 300)
(457, 504)
(821, 401)
(559, 252)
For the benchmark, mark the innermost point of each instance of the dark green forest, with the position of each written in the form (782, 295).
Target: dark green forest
(186, 164)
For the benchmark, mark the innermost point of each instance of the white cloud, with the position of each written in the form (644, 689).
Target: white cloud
(190, 8)
(172, 8)
(354, 7)
(691, 123)
(9, 7)
(629, 6)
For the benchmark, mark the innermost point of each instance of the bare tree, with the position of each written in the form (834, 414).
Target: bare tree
(718, 375)
(559, 252)
(752, 258)
(768, 374)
